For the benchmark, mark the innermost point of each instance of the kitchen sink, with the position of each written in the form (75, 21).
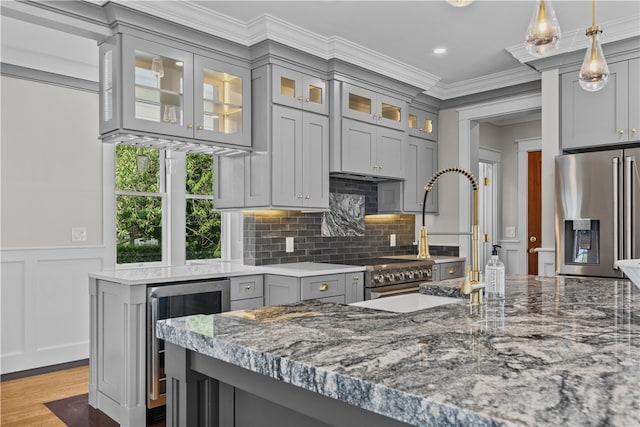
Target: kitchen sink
(631, 268)
(407, 303)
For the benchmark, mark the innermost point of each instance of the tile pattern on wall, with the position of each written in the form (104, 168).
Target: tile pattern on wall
(265, 232)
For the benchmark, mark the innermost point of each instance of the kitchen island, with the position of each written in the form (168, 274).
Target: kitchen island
(557, 351)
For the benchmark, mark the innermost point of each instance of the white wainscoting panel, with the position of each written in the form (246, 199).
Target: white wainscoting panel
(44, 297)
(511, 257)
(546, 262)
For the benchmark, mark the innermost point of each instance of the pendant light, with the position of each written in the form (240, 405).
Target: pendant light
(543, 34)
(459, 3)
(594, 72)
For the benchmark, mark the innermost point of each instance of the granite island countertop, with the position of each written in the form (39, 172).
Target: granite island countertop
(558, 351)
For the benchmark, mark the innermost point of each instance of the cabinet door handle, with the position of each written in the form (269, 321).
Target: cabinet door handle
(324, 287)
(452, 270)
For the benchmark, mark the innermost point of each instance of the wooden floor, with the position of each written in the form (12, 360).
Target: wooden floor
(22, 400)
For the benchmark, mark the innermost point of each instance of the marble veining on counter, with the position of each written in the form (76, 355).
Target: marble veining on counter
(556, 352)
(217, 269)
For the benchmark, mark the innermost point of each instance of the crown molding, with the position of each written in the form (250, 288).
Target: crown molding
(499, 80)
(614, 30)
(265, 27)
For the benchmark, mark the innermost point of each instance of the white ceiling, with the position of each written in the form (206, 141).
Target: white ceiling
(484, 40)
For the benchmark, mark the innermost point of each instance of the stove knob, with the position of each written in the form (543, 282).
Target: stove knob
(410, 274)
(390, 277)
(400, 276)
(378, 278)
(426, 273)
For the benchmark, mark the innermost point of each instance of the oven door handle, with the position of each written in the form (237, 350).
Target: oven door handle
(153, 374)
(376, 295)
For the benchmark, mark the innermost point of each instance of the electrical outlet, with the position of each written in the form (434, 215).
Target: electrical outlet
(79, 234)
(288, 244)
(392, 240)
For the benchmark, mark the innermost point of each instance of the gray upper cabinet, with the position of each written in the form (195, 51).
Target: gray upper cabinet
(300, 159)
(372, 107)
(299, 90)
(407, 196)
(154, 88)
(422, 124)
(371, 150)
(610, 115)
(289, 165)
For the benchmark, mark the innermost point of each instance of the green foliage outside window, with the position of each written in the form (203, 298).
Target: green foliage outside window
(202, 223)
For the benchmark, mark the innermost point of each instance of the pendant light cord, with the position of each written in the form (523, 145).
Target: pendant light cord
(593, 12)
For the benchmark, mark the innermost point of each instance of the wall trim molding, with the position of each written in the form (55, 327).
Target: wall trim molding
(39, 76)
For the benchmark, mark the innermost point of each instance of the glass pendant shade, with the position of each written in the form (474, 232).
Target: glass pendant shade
(543, 34)
(459, 3)
(142, 162)
(157, 67)
(594, 72)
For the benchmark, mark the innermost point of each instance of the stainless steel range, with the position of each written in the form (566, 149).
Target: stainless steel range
(391, 276)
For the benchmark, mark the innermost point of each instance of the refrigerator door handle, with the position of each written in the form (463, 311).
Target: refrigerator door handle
(616, 228)
(628, 169)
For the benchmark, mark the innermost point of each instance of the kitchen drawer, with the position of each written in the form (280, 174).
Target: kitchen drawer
(322, 286)
(448, 270)
(339, 299)
(246, 287)
(247, 304)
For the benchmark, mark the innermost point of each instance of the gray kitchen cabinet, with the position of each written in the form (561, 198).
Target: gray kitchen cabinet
(447, 270)
(299, 90)
(372, 150)
(300, 158)
(288, 167)
(338, 288)
(247, 292)
(422, 124)
(407, 196)
(150, 87)
(372, 107)
(610, 115)
(354, 287)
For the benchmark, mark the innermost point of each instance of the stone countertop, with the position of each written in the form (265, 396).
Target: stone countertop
(217, 269)
(557, 351)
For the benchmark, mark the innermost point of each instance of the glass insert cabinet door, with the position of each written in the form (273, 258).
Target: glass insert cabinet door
(158, 86)
(422, 124)
(369, 106)
(299, 90)
(221, 101)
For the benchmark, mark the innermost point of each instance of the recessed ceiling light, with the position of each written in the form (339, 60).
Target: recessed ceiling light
(440, 50)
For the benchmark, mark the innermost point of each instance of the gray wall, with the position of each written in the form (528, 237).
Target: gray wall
(51, 165)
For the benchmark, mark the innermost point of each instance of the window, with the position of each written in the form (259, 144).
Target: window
(157, 190)
(202, 233)
(139, 201)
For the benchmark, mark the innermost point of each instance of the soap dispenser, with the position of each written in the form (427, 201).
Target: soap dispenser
(494, 276)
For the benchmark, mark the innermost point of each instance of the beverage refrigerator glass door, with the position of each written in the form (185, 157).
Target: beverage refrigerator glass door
(597, 217)
(177, 300)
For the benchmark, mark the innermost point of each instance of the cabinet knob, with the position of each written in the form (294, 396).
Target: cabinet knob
(633, 130)
(375, 115)
(248, 287)
(200, 127)
(307, 196)
(621, 131)
(356, 278)
(421, 130)
(308, 100)
(381, 167)
(190, 126)
(299, 196)
(452, 270)
(300, 98)
(324, 287)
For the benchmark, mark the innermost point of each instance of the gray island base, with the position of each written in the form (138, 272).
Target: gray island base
(557, 351)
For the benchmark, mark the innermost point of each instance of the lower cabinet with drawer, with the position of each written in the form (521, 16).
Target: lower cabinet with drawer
(247, 292)
(337, 288)
(447, 270)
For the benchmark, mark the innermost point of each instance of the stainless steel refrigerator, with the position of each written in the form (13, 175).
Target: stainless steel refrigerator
(597, 208)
